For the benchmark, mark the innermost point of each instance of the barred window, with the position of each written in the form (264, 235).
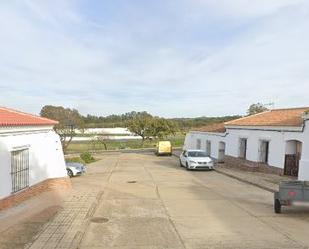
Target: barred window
(20, 169)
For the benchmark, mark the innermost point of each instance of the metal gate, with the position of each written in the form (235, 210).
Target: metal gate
(20, 170)
(291, 165)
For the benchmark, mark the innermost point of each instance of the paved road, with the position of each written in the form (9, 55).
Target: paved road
(151, 203)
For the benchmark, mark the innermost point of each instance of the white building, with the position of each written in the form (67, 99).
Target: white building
(276, 141)
(31, 157)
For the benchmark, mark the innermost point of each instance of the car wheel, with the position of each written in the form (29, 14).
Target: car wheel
(277, 206)
(70, 173)
(187, 166)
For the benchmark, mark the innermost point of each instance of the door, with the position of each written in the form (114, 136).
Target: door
(208, 148)
(198, 144)
(243, 148)
(292, 157)
(264, 151)
(291, 165)
(221, 154)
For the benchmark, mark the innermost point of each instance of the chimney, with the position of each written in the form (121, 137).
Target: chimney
(306, 115)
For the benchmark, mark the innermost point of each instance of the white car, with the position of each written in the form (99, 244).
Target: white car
(75, 169)
(196, 159)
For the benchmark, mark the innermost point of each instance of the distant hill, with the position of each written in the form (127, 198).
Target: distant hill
(187, 123)
(92, 121)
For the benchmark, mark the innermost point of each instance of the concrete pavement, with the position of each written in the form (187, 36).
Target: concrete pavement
(150, 202)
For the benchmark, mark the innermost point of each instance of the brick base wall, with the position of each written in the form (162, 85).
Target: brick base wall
(243, 164)
(63, 183)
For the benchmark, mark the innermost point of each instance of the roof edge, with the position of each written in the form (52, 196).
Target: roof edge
(232, 122)
(245, 117)
(50, 121)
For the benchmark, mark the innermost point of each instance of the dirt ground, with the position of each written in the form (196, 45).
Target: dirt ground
(19, 225)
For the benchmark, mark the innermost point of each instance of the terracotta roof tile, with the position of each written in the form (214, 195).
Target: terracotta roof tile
(10, 117)
(279, 117)
(216, 128)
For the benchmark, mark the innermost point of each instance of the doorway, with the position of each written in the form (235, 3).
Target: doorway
(293, 153)
(264, 151)
(243, 148)
(221, 153)
(198, 144)
(208, 148)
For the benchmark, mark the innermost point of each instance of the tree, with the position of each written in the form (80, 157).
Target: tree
(140, 124)
(256, 108)
(147, 126)
(69, 120)
(161, 127)
(98, 140)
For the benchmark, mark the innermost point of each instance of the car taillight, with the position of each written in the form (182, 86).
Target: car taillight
(292, 193)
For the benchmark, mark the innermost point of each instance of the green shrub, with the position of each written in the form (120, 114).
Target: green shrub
(87, 157)
(122, 147)
(75, 160)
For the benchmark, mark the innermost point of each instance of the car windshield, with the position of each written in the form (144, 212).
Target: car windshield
(197, 154)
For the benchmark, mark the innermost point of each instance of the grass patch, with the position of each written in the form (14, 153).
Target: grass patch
(75, 160)
(84, 158)
(84, 146)
(87, 157)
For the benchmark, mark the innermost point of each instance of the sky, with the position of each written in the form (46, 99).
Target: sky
(183, 58)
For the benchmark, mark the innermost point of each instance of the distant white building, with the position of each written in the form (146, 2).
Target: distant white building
(276, 141)
(31, 157)
(117, 133)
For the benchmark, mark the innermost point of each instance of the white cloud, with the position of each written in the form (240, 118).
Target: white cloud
(244, 8)
(52, 53)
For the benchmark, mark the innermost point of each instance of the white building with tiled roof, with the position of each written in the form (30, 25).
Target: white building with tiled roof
(276, 141)
(31, 157)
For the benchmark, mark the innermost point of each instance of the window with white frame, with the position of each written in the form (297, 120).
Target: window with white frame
(20, 169)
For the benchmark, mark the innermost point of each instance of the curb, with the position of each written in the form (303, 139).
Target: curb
(240, 179)
(245, 181)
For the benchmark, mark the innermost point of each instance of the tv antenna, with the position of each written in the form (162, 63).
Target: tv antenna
(271, 105)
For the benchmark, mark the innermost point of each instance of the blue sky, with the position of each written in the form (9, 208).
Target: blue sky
(171, 58)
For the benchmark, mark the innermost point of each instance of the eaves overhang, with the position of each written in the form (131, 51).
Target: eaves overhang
(14, 130)
(267, 128)
(220, 134)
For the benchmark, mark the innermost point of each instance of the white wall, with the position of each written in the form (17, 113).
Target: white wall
(45, 152)
(304, 162)
(254, 137)
(277, 145)
(191, 142)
